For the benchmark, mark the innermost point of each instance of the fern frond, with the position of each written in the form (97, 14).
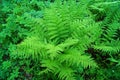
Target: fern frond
(109, 47)
(54, 22)
(30, 47)
(75, 57)
(86, 31)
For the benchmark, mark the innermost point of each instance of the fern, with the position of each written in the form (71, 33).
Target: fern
(57, 40)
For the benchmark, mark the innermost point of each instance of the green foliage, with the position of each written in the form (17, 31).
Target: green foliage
(13, 31)
(59, 40)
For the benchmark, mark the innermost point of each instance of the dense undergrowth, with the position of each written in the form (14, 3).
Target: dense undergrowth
(59, 40)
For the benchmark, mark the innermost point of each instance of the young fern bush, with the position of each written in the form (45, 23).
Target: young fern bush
(58, 40)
